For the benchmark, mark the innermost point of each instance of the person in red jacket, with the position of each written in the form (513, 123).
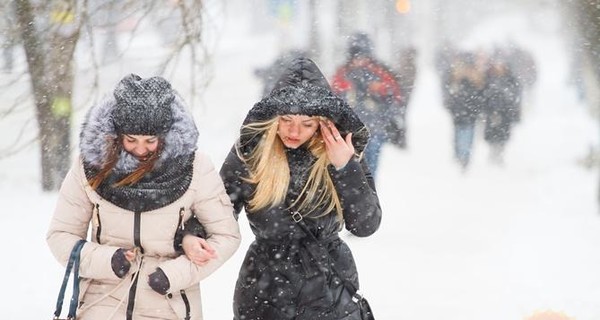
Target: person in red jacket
(373, 90)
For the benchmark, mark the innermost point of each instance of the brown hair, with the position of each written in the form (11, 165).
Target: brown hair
(114, 148)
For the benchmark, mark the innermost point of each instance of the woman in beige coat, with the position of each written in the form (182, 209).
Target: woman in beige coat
(137, 181)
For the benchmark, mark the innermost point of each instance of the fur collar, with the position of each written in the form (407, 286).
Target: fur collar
(98, 128)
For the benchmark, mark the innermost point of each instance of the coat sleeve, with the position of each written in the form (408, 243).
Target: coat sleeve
(70, 223)
(232, 172)
(356, 189)
(214, 211)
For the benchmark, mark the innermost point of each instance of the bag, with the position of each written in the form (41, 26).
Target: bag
(333, 299)
(73, 264)
(351, 305)
(347, 301)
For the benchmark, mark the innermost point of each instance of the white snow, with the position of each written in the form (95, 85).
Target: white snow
(492, 243)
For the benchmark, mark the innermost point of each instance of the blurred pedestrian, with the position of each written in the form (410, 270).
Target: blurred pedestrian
(502, 106)
(373, 90)
(407, 74)
(465, 102)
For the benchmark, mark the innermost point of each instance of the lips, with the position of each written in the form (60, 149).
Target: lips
(143, 157)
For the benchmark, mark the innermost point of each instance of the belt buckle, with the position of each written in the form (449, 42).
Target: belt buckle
(357, 296)
(296, 216)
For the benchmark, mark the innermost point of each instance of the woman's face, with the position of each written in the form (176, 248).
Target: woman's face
(142, 147)
(295, 130)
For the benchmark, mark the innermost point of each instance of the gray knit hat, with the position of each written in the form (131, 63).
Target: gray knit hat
(143, 106)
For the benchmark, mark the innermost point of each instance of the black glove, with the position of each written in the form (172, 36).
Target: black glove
(159, 282)
(119, 263)
(191, 226)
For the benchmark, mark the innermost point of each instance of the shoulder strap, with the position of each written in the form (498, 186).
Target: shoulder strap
(73, 264)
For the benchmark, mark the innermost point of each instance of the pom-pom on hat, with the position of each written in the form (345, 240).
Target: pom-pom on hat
(143, 106)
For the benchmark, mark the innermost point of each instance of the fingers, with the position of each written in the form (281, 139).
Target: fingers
(326, 133)
(349, 138)
(202, 252)
(130, 255)
(330, 133)
(349, 142)
(207, 248)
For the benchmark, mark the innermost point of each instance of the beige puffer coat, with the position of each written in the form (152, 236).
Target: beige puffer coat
(103, 295)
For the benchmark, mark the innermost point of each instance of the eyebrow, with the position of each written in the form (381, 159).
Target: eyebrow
(133, 138)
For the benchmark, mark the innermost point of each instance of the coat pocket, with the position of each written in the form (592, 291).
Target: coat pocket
(182, 304)
(97, 221)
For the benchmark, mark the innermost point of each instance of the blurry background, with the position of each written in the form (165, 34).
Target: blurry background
(509, 240)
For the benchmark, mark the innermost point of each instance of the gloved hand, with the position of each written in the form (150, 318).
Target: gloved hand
(159, 282)
(119, 263)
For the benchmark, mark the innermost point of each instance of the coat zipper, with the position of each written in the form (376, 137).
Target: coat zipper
(132, 292)
(97, 222)
(137, 221)
(180, 222)
(187, 304)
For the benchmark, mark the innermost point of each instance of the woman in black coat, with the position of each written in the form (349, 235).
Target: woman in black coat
(299, 156)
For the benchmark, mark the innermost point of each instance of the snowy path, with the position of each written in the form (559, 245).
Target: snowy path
(494, 243)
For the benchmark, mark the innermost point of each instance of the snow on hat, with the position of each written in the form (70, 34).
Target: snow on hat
(303, 89)
(143, 106)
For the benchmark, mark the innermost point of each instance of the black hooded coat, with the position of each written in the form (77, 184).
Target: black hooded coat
(279, 279)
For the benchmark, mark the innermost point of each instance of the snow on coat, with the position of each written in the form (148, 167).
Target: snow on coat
(278, 278)
(150, 227)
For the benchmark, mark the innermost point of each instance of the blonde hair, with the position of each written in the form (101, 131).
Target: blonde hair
(270, 172)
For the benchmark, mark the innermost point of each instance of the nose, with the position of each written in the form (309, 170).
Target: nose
(141, 150)
(294, 130)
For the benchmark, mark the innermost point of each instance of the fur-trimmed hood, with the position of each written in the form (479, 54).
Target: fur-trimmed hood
(99, 128)
(302, 89)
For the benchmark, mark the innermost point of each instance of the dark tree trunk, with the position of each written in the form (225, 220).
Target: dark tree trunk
(49, 56)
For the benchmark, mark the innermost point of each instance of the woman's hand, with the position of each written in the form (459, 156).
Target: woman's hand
(130, 254)
(198, 250)
(339, 149)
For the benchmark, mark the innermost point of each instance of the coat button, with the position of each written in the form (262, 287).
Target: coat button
(169, 295)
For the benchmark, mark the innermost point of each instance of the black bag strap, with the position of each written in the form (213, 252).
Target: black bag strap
(299, 219)
(73, 264)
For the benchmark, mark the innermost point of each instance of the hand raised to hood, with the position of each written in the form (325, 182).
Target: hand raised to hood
(339, 149)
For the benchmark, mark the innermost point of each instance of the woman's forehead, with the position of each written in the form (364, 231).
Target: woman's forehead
(139, 137)
(301, 117)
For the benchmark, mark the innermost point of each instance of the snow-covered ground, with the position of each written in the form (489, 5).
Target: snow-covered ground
(492, 243)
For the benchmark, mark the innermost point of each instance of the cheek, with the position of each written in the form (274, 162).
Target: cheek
(311, 131)
(282, 130)
(280, 127)
(153, 146)
(307, 133)
(128, 146)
